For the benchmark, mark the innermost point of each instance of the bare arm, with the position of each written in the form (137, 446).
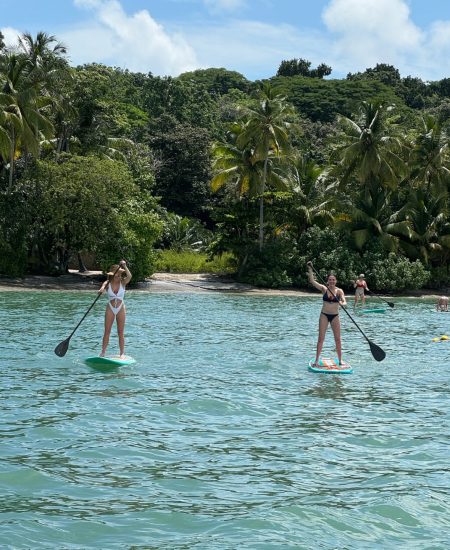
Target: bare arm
(128, 275)
(342, 300)
(101, 290)
(313, 281)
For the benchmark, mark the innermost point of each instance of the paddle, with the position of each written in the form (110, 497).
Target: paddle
(62, 347)
(377, 352)
(390, 304)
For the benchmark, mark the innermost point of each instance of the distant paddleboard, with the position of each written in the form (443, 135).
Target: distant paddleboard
(330, 366)
(374, 310)
(114, 361)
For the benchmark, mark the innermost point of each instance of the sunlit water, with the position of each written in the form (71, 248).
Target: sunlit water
(219, 437)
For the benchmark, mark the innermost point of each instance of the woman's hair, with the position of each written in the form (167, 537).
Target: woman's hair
(331, 275)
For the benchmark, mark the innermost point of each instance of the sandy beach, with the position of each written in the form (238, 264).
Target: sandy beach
(166, 282)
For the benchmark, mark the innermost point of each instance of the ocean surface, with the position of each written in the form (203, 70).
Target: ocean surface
(219, 437)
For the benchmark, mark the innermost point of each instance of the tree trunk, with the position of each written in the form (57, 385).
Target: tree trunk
(261, 204)
(11, 159)
(81, 267)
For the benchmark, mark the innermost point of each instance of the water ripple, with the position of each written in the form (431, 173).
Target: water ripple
(218, 436)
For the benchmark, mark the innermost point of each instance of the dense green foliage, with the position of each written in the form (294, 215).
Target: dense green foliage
(189, 261)
(101, 164)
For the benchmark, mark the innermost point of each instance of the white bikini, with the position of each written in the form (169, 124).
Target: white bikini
(115, 298)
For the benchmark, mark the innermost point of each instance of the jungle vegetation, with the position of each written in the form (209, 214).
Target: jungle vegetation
(99, 163)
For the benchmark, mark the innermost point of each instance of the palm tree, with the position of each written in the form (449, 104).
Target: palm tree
(371, 152)
(430, 227)
(266, 134)
(369, 215)
(312, 202)
(21, 108)
(27, 80)
(45, 58)
(430, 157)
(234, 166)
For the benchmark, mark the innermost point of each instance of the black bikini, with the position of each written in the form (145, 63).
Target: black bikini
(326, 298)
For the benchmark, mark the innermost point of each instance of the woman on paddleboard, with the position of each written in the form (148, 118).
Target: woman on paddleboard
(118, 277)
(332, 298)
(360, 289)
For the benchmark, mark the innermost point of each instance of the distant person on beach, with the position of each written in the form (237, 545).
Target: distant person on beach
(118, 277)
(360, 286)
(442, 303)
(332, 298)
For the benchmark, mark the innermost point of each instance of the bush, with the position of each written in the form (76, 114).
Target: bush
(330, 251)
(439, 277)
(184, 233)
(13, 234)
(188, 261)
(269, 267)
(398, 273)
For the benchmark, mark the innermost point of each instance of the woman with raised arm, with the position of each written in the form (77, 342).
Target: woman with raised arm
(332, 298)
(360, 288)
(118, 277)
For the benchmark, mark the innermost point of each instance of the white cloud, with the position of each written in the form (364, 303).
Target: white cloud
(372, 31)
(357, 34)
(136, 42)
(10, 35)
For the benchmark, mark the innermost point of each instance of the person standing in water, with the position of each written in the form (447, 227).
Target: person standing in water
(118, 277)
(332, 298)
(442, 303)
(361, 287)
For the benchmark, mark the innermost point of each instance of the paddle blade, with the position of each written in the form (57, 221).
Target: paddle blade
(62, 347)
(391, 304)
(377, 352)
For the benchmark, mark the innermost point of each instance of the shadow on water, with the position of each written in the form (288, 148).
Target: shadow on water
(329, 386)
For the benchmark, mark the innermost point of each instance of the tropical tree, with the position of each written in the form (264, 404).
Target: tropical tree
(429, 238)
(234, 166)
(266, 134)
(368, 215)
(371, 151)
(430, 156)
(312, 201)
(21, 106)
(26, 80)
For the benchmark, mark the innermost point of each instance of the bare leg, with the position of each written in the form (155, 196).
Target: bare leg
(120, 330)
(109, 320)
(336, 328)
(323, 325)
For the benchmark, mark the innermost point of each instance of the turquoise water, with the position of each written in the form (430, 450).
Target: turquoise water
(218, 436)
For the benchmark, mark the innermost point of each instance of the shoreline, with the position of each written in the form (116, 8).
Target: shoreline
(168, 282)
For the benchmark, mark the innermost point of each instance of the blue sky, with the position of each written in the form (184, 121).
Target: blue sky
(167, 37)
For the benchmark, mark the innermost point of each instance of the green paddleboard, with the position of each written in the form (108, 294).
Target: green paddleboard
(374, 310)
(114, 361)
(330, 366)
